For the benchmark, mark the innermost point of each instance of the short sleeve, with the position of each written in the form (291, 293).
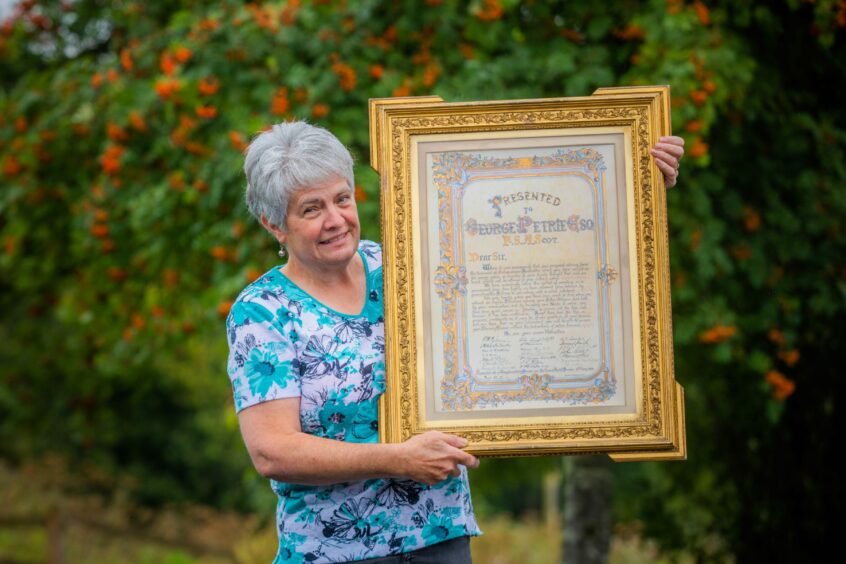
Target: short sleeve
(262, 362)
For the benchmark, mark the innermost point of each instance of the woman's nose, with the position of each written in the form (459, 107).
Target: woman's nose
(333, 217)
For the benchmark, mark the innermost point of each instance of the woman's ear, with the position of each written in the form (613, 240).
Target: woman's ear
(274, 229)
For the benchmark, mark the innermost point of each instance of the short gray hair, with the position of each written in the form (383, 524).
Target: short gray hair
(289, 157)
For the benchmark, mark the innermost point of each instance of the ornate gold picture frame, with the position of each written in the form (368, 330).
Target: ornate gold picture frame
(526, 274)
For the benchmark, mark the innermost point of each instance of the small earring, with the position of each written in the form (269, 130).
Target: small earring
(282, 252)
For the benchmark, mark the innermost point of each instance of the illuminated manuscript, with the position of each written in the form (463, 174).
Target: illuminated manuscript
(526, 307)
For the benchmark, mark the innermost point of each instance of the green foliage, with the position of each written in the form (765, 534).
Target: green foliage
(123, 236)
(511, 486)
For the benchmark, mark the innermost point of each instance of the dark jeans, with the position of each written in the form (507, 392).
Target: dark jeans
(454, 551)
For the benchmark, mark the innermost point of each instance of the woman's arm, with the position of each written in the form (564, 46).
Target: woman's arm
(281, 451)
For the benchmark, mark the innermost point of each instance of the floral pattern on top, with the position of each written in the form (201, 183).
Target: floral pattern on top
(283, 343)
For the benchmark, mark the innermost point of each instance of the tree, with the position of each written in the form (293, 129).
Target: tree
(124, 238)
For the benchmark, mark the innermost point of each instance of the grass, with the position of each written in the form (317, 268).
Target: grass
(116, 532)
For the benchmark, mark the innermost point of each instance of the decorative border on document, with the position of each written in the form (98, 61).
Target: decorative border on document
(461, 387)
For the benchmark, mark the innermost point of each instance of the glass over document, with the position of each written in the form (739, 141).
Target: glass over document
(526, 269)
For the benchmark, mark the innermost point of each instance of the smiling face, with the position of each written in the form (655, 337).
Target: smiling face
(322, 231)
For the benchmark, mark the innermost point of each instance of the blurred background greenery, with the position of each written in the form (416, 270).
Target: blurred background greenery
(123, 240)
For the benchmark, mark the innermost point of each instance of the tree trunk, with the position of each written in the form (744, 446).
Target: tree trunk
(55, 537)
(587, 509)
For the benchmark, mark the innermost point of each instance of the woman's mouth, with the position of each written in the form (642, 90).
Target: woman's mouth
(334, 239)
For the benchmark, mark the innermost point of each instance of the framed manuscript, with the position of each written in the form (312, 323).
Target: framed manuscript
(526, 273)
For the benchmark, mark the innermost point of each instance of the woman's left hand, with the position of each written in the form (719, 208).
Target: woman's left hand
(668, 152)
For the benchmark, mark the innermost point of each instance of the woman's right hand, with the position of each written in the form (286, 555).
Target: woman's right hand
(433, 456)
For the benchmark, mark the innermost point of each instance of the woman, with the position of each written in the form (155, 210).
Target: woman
(307, 367)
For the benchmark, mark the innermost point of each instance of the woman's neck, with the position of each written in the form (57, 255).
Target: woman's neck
(342, 289)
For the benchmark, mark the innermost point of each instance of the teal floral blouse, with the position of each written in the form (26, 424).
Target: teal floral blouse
(283, 344)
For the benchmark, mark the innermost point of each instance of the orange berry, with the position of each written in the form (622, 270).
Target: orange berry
(136, 121)
(288, 15)
(100, 230)
(236, 54)
(40, 153)
(223, 308)
(115, 132)
(698, 148)
(237, 141)
(674, 6)
(110, 159)
(741, 252)
(320, 111)
(167, 88)
(208, 86)
(207, 112)
(176, 180)
(695, 239)
(346, 76)
(219, 253)
(693, 126)
(430, 74)
(751, 219)
(717, 334)
(138, 322)
(182, 54)
(170, 277)
(167, 64)
(631, 32)
(280, 104)
(9, 244)
(186, 123)
(11, 165)
(491, 11)
(402, 90)
(126, 59)
(698, 97)
(790, 357)
(196, 148)
(109, 165)
(116, 273)
(208, 24)
(360, 194)
(783, 387)
(702, 12)
(776, 336)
